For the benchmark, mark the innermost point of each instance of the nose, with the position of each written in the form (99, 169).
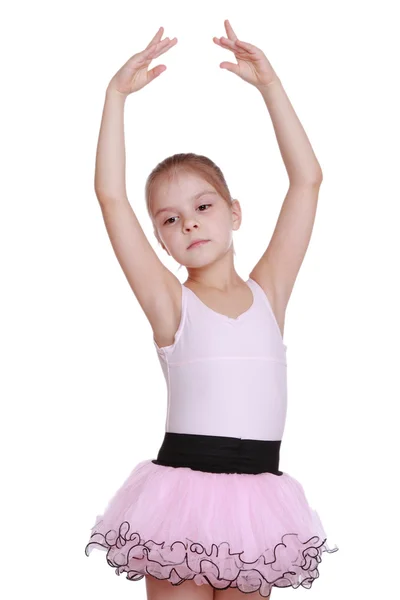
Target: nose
(189, 224)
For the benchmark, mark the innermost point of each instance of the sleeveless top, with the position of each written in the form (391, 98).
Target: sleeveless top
(226, 376)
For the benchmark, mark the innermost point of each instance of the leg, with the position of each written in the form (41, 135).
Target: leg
(161, 589)
(235, 594)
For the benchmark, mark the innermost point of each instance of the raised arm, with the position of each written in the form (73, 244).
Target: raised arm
(277, 269)
(155, 287)
(279, 266)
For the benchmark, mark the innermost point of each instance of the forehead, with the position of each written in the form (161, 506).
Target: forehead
(180, 184)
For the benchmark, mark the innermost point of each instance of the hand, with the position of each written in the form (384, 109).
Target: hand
(252, 64)
(134, 74)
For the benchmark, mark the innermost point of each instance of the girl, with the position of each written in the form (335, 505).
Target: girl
(213, 510)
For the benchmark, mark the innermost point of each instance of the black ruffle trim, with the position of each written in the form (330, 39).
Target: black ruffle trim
(260, 575)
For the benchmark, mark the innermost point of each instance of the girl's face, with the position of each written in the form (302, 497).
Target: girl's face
(188, 208)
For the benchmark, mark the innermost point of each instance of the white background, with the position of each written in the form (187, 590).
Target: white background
(83, 397)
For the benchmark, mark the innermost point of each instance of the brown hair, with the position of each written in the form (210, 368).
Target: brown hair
(194, 163)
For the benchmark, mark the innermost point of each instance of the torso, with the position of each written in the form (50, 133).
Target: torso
(231, 306)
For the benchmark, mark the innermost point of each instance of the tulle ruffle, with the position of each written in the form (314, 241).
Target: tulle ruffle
(250, 532)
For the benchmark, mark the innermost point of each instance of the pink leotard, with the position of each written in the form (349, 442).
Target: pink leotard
(226, 376)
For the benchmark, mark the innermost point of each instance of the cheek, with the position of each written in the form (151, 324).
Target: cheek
(222, 226)
(171, 238)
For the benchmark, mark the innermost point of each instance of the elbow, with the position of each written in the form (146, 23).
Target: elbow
(315, 180)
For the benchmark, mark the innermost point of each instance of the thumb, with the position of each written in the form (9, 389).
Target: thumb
(153, 73)
(230, 67)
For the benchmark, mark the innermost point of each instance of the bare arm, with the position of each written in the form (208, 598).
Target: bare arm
(157, 290)
(109, 181)
(279, 266)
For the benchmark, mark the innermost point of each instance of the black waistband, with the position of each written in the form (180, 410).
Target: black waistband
(219, 454)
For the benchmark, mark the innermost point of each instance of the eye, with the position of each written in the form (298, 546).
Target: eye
(170, 221)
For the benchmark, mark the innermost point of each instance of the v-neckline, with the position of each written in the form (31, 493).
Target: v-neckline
(225, 317)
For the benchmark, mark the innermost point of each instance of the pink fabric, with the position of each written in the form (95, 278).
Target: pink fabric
(247, 531)
(224, 529)
(226, 376)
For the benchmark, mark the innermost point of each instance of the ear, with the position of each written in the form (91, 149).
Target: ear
(236, 214)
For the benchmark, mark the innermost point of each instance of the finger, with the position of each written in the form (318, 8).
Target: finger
(230, 67)
(234, 46)
(230, 33)
(166, 48)
(246, 46)
(155, 49)
(217, 41)
(153, 73)
(157, 37)
(228, 42)
(163, 48)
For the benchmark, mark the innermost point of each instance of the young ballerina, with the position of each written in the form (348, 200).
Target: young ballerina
(212, 511)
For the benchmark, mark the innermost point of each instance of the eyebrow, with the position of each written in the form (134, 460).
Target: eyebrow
(195, 197)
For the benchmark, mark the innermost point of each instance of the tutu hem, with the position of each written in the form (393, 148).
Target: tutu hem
(179, 562)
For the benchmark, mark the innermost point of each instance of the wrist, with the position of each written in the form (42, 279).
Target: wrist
(265, 88)
(111, 92)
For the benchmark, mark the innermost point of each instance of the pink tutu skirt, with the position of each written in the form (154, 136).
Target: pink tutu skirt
(241, 530)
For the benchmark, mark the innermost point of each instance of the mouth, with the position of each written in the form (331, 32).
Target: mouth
(198, 243)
